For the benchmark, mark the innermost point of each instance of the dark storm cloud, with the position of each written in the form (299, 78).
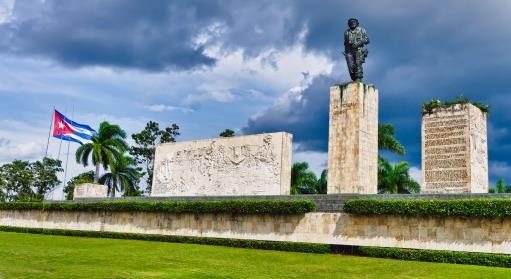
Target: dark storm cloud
(148, 35)
(304, 115)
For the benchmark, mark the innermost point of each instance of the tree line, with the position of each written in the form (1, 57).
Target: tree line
(124, 166)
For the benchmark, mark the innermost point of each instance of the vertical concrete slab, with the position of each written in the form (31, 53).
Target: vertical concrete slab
(454, 150)
(353, 139)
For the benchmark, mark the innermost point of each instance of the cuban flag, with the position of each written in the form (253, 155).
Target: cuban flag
(66, 129)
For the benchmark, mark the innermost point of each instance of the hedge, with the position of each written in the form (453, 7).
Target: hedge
(240, 243)
(437, 207)
(229, 206)
(497, 260)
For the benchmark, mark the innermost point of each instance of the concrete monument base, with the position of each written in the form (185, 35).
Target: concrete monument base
(353, 139)
(90, 190)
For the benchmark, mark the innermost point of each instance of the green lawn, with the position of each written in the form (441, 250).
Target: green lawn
(41, 256)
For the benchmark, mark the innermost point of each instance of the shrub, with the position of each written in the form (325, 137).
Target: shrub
(428, 107)
(424, 207)
(229, 206)
(497, 260)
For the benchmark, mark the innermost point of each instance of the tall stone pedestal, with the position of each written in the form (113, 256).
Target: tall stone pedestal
(353, 139)
(454, 150)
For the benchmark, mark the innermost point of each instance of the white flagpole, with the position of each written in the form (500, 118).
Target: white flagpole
(49, 132)
(60, 144)
(67, 156)
(58, 156)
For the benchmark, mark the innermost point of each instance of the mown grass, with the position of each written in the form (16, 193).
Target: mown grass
(44, 256)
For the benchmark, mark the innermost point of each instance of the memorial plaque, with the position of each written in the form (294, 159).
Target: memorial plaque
(243, 165)
(90, 190)
(454, 150)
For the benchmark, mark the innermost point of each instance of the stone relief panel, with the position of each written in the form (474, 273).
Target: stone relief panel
(247, 165)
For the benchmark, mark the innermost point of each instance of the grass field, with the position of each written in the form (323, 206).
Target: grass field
(41, 256)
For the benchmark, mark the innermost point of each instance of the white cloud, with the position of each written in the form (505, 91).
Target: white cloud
(416, 174)
(317, 160)
(22, 151)
(162, 108)
(6, 7)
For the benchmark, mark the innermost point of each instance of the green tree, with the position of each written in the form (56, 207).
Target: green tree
(123, 177)
(85, 177)
(500, 185)
(321, 185)
(227, 133)
(3, 187)
(303, 181)
(45, 176)
(387, 139)
(395, 179)
(18, 179)
(106, 148)
(26, 181)
(145, 142)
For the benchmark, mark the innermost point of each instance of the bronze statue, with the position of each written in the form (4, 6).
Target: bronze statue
(355, 38)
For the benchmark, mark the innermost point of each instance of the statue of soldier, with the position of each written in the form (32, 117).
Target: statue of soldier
(355, 38)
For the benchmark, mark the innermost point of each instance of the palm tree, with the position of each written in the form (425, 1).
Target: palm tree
(395, 179)
(123, 177)
(387, 139)
(107, 146)
(321, 186)
(303, 181)
(500, 185)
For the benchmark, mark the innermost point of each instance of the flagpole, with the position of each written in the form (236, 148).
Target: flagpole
(67, 157)
(49, 132)
(58, 156)
(60, 144)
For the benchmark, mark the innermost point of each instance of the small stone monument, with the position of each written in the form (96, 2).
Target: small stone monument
(90, 190)
(231, 166)
(454, 150)
(353, 139)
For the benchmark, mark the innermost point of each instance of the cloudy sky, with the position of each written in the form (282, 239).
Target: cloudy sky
(252, 66)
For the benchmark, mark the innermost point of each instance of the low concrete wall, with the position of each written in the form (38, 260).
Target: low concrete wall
(492, 235)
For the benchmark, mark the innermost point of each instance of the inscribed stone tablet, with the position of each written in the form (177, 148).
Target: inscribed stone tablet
(454, 150)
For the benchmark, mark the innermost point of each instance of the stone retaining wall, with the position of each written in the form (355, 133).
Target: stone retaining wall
(492, 235)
